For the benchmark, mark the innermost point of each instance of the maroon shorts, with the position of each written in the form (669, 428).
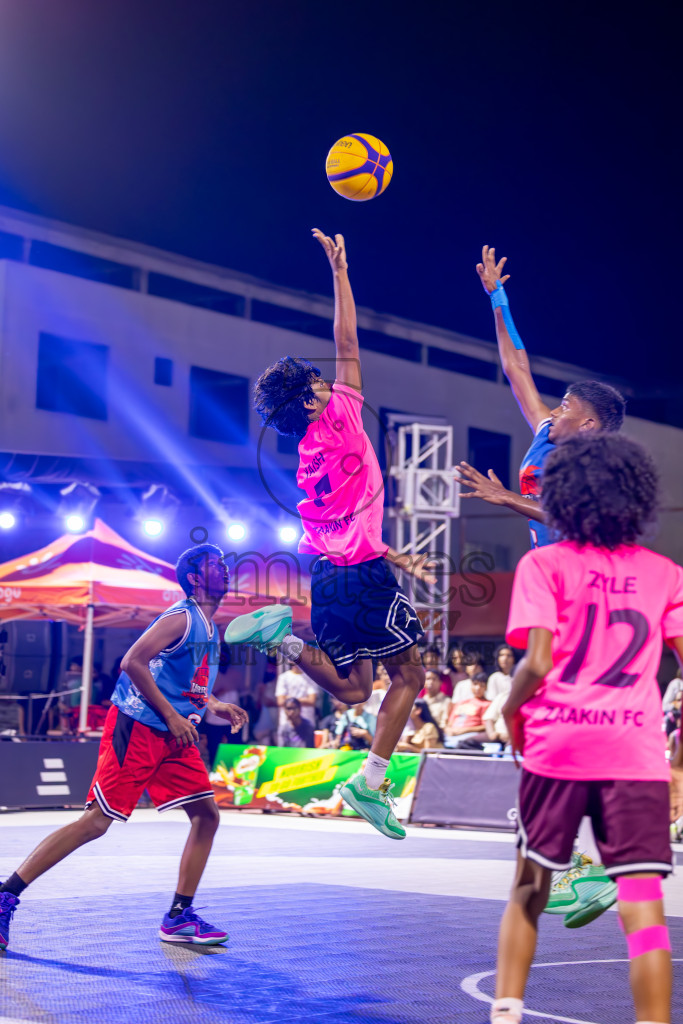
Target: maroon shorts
(630, 822)
(135, 757)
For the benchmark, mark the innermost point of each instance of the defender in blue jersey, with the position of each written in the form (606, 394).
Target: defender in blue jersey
(585, 892)
(149, 742)
(587, 405)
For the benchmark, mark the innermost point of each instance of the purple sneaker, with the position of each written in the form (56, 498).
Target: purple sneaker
(8, 904)
(189, 927)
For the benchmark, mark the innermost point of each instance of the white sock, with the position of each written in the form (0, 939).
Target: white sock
(587, 842)
(374, 770)
(507, 1011)
(292, 647)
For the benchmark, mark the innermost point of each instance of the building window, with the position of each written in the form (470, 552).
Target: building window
(487, 450)
(72, 377)
(219, 406)
(163, 371)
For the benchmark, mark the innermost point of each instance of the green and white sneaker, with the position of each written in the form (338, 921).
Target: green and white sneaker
(263, 629)
(375, 805)
(582, 892)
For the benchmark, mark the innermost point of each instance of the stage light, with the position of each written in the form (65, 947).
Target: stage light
(74, 523)
(15, 502)
(77, 505)
(288, 534)
(7, 520)
(237, 531)
(158, 508)
(153, 527)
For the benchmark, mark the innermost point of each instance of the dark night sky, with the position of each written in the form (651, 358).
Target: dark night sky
(551, 131)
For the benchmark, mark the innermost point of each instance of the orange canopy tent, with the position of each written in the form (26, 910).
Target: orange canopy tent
(99, 579)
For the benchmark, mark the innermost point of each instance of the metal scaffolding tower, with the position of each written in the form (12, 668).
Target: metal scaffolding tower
(427, 498)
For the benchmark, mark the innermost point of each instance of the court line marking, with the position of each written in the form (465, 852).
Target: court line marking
(470, 985)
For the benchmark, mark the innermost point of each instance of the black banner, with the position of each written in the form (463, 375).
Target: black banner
(50, 774)
(471, 792)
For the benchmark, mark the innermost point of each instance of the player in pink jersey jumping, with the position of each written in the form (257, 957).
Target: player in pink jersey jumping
(358, 611)
(585, 709)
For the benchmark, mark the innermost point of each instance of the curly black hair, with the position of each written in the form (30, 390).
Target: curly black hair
(280, 393)
(607, 403)
(600, 489)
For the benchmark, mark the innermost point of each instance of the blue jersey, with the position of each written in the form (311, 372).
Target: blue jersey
(185, 673)
(530, 479)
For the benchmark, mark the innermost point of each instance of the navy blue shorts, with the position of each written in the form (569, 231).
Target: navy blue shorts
(630, 822)
(359, 611)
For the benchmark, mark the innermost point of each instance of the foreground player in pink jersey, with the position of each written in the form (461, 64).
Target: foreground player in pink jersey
(585, 709)
(358, 611)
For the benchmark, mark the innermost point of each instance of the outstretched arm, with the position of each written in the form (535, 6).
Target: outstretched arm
(513, 357)
(491, 489)
(345, 327)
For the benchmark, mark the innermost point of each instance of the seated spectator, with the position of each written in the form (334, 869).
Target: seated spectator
(500, 679)
(466, 718)
(297, 731)
(439, 703)
(431, 659)
(494, 723)
(672, 724)
(455, 665)
(328, 725)
(473, 663)
(673, 689)
(380, 685)
(295, 683)
(426, 732)
(355, 729)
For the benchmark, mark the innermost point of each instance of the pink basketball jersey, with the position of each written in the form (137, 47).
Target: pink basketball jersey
(342, 512)
(598, 713)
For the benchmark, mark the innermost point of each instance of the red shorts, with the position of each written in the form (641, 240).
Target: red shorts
(630, 822)
(135, 757)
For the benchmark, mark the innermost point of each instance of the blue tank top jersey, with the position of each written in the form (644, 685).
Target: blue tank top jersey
(185, 673)
(530, 479)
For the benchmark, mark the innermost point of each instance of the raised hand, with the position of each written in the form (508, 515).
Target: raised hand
(489, 488)
(490, 272)
(335, 250)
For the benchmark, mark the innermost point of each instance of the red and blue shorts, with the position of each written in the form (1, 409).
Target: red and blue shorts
(133, 758)
(630, 820)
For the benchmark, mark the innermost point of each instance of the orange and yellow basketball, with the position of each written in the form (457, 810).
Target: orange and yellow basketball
(359, 167)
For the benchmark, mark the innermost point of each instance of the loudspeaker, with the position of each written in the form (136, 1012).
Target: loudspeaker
(32, 656)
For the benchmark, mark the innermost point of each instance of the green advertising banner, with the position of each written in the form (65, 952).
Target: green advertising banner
(301, 780)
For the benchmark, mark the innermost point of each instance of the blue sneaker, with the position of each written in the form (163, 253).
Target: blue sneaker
(189, 927)
(263, 629)
(8, 904)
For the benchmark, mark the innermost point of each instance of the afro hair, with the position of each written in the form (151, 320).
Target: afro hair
(280, 394)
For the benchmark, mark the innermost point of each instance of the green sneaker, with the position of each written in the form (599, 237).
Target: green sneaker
(597, 896)
(563, 896)
(375, 805)
(263, 629)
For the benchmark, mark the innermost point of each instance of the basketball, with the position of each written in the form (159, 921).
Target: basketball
(359, 167)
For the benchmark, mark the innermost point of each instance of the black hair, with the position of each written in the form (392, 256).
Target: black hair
(191, 561)
(499, 649)
(280, 393)
(607, 403)
(293, 700)
(427, 716)
(473, 658)
(480, 677)
(600, 489)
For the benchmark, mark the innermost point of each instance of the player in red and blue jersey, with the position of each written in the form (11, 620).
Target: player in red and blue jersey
(587, 405)
(592, 612)
(149, 742)
(358, 611)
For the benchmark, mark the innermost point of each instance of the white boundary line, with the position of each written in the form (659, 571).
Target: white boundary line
(470, 985)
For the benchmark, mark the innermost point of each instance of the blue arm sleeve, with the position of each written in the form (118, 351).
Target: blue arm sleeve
(500, 300)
